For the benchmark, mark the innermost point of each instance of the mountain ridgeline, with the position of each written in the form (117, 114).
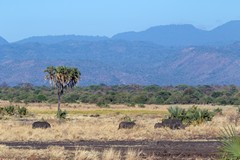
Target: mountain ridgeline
(183, 35)
(162, 55)
(3, 41)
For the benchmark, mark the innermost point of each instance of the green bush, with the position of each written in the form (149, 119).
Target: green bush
(22, 111)
(10, 110)
(127, 119)
(131, 104)
(238, 109)
(14, 110)
(193, 115)
(141, 105)
(176, 113)
(61, 114)
(218, 111)
(1, 111)
(103, 105)
(41, 98)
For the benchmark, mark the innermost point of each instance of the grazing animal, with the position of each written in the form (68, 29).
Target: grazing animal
(94, 115)
(173, 123)
(41, 124)
(127, 125)
(158, 125)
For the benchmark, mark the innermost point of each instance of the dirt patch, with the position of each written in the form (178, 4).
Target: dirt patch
(160, 149)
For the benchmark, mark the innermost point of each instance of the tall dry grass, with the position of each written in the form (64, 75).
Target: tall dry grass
(82, 127)
(58, 153)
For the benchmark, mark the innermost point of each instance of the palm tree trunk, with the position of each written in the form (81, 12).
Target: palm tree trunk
(59, 101)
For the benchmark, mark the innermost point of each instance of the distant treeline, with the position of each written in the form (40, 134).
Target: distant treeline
(126, 94)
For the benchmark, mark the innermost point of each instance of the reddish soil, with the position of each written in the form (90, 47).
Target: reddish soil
(161, 149)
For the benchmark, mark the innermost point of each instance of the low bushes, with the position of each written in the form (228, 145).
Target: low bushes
(10, 110)
(13, 111)
(103, 105)
(127, 119)
(61, 114)
(193, 115)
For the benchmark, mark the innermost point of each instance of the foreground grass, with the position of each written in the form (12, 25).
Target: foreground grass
(59, 153)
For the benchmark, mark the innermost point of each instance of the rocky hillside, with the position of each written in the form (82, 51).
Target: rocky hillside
(121, 62)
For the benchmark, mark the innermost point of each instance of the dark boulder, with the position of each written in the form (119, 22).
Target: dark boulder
(41, 124)
(127, 125)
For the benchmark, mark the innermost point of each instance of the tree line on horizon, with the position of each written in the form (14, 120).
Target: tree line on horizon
(125, 94)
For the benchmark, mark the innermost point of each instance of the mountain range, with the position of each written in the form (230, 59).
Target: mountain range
(162, 55)
(3, 41)
(183, 35)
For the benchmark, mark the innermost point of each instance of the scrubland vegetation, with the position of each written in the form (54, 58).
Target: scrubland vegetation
(131, 95)
(205, 113)
(82, 124)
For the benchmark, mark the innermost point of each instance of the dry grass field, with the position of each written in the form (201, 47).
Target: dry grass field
(80, 125)
(59, 153)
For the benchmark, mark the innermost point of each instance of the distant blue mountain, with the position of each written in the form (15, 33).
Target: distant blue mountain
(3, 41)
(59, 39)
(165, 35)
(168, 35)
(184, 35)
(163, 55)
(226, 33)
(122, 62)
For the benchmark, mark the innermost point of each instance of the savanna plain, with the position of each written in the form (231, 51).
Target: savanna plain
(88, 122)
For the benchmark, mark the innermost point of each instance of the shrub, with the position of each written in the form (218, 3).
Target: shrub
(141, 105)
(14, 110)
(177, 113)
(238, 110)
(218, 111)
(127, 119)
(61, 114)
(193, 115)
(22, 111)
(41, 98)
(10, 110)
(131, 104)
(103, 105)
(1, 110)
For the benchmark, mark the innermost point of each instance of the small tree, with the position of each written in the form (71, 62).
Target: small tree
(62, 78)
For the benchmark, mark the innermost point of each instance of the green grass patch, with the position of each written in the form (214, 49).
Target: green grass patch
(104, 112)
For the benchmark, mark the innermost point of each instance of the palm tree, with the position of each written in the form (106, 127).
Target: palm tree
(62, 78)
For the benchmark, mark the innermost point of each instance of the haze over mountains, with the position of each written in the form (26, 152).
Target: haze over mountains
(3, 41)
(182, 35)
(163, 55)
(168, 35)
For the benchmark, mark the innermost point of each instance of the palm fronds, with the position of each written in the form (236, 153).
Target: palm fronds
(230, 148)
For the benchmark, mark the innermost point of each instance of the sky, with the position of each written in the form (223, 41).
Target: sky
(20, 19)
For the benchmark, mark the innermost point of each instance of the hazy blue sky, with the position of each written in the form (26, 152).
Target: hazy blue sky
(23, 18)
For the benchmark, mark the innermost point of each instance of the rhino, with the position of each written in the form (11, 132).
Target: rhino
(127, 125)
(41, 124)
(171, 123)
